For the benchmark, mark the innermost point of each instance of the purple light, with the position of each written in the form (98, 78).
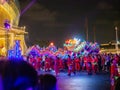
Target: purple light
(27, 7)
(6, 24)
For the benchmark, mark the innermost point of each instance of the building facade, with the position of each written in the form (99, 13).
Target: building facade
(9, 11)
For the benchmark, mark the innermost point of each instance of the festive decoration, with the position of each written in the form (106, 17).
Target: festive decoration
(72, 48)
(16, 52)
(34, 50)
(52, 47)
(76, 45)
(71, 44)
(17, 49)
(7, 24)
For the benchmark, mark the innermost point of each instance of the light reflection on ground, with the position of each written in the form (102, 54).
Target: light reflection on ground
(82, 81)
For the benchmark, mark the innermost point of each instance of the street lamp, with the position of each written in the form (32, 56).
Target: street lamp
(116, 29)
(7, 27)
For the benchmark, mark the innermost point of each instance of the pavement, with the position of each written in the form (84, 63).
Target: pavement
(82, 81)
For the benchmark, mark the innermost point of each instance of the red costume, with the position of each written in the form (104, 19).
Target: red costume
(114, 73)
(94, 64)
(114, 69)
(89, 65)
(39, 60)
(56, 66)
(77, 64)
(47, 64)
(84, 63)
(61, 65)
(71, 67)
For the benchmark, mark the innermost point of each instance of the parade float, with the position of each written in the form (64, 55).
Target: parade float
(81, 47)
(10, 32)
(36, 50)
(71, 47)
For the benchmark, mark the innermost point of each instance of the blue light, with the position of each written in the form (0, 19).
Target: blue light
(16, 52)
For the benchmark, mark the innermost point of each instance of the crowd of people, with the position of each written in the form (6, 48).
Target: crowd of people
(23, 75)
(20, 75)
(75, 63)
(91, 63)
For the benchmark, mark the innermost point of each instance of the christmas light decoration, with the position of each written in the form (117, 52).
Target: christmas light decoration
(16, 52)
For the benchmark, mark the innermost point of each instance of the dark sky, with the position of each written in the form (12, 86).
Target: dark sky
(58, 20)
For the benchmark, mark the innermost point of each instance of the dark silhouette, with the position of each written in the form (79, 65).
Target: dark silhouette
(17, 75)
(117, 84)
(47, 82)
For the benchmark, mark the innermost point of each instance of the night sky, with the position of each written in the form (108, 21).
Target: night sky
(59, 20)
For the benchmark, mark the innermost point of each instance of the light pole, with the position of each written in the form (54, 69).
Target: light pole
(86, 27)
(116, 29)
(94, 32)
(7, 28)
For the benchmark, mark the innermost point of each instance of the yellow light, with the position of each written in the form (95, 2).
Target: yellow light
(3, 50)
(10, 12)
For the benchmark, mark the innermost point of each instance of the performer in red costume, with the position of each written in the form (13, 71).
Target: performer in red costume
(71, 67)
(114, 69)
(94, 64)
(114, 73)
(84, 66)
(47, 63)
(61, 65)
(89, 65)
(56, 65)
(39, 60)
(32, 61)
(77, 64)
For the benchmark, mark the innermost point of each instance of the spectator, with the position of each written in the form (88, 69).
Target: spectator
(17, 75)
(47, 82)
(117, 84)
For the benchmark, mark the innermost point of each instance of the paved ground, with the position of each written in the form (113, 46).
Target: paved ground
(82, 81)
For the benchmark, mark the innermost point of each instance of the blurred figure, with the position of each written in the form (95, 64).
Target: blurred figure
(47, 63)
(56, 65)
(113, 74)
(117, 84)
(89, 65)
(17, 75)
(94, 64)
(114, 69)
(47, 82)
(77, 64)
